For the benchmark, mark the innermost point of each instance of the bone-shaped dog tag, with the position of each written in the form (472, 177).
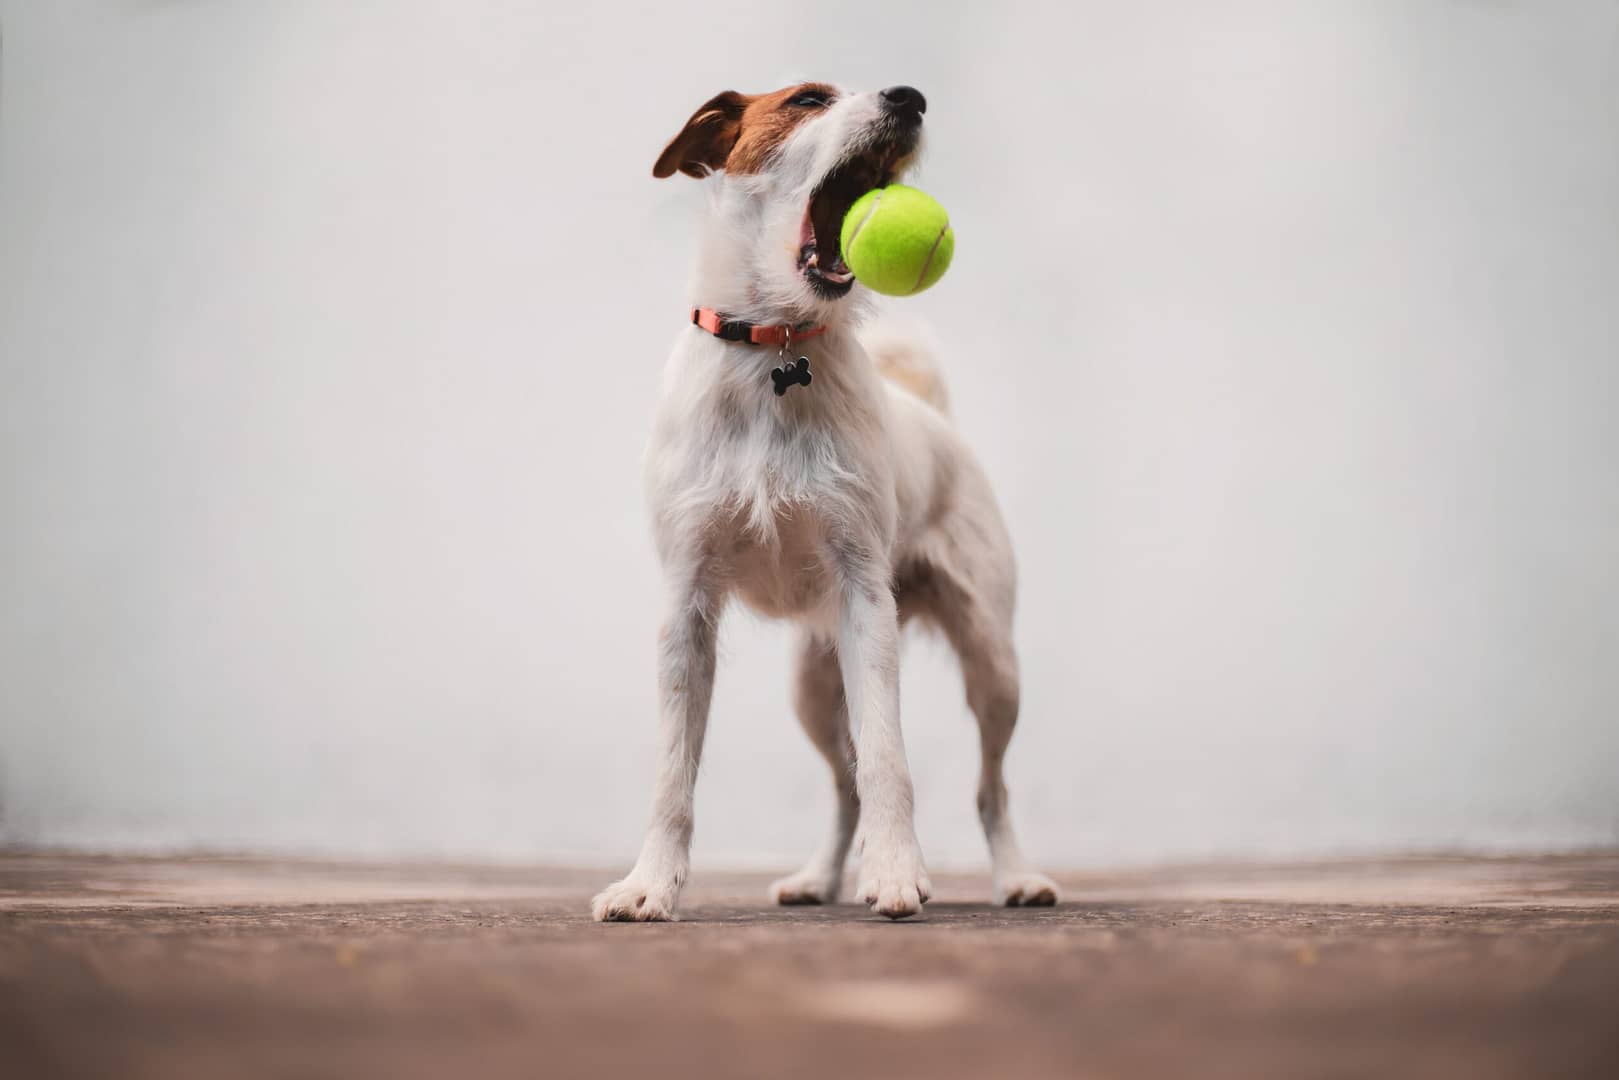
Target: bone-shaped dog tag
(793, 373)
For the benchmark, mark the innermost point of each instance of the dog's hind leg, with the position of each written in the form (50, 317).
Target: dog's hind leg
(990, 668)
(974, 609)
(818, 699)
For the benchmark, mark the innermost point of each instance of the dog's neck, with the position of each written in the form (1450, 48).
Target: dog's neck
(745, 270)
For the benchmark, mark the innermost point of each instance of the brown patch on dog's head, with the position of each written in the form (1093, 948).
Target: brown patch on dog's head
(738, 133)
(769, 119)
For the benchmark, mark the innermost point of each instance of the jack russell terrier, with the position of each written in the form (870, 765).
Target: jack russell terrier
(817, 479)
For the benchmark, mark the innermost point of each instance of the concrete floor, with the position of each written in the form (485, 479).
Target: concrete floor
(1432, 967)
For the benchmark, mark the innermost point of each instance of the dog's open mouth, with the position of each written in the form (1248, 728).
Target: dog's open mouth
(820, 253)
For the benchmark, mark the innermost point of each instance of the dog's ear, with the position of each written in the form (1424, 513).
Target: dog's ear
(705, 142)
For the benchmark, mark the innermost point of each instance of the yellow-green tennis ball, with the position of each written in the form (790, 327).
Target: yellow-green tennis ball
(897, 240)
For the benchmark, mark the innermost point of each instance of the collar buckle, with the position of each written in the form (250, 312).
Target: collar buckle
(735, 331)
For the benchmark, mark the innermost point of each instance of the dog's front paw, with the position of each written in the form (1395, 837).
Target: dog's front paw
(1025, 888)
(635, 900)
(812, 885)
(894, 884)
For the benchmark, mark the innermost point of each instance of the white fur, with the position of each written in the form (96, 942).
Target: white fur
(847, 506)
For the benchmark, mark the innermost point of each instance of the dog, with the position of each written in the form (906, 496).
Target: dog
(815, 480)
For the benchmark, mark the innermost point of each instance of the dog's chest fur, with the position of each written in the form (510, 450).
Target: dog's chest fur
(763, 486)
(786, 574)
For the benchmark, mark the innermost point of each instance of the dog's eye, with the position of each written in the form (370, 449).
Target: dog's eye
(811, 99)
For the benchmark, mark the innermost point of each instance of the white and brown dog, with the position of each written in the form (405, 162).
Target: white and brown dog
(785, 470)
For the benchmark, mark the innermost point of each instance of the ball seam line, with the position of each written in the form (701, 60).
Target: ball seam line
(937, 240)
(872, 209)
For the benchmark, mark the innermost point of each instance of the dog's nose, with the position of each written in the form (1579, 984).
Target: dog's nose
(906, 100)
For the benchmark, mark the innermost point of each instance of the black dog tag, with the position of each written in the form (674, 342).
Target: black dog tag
(793, 373)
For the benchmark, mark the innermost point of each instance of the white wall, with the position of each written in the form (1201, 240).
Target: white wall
(1289, 334)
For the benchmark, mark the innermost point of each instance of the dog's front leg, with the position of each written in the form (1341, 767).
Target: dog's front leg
(892, 878)
(686, 650)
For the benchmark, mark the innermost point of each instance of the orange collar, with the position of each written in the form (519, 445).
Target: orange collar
(751, 333)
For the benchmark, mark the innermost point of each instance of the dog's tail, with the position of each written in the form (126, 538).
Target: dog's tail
(905, 356)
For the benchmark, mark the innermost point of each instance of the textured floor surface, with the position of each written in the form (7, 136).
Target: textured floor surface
(1432, 967)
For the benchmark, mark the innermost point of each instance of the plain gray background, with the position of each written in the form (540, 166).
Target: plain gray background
(330, 335)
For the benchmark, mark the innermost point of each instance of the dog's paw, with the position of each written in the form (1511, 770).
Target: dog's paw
(633, 900)
(895, 885)
(1026, 888)
(812, 885)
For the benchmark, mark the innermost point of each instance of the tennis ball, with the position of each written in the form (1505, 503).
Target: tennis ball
(897, 240)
